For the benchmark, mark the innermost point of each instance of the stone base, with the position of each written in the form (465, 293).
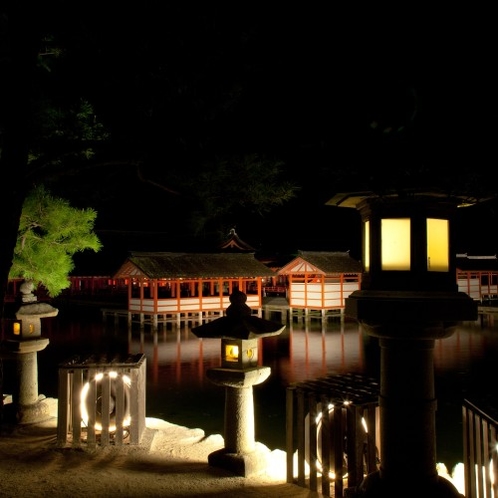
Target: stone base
(242, 464)
(28, 414)
(409, 487)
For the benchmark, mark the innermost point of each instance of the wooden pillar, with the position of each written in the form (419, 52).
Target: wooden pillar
(153, 294)
(322, 289)
(130, 288)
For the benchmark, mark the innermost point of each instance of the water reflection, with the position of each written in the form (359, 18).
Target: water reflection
(310, 350)
(179, 391)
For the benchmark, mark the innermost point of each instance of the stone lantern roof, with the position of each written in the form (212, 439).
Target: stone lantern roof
(238, 323)
(354, 199)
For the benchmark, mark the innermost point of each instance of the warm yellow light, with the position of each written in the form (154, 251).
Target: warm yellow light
(437, 245)
(366, 245)
(231, 352)
(17, 328)
(112, 403)
(395, 238)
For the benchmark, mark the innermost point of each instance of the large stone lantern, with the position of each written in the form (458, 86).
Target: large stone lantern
(240, 333)
(409, 298)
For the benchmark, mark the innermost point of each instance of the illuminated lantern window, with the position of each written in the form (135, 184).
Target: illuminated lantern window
(437, 245)
(366, 245)
(239, 353)
(395, 243)
(27, 328)
(16, 328)
(231, 353)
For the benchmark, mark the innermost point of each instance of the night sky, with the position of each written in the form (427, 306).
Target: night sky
(405, 95)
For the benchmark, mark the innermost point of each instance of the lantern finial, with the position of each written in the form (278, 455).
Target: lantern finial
(238, 306)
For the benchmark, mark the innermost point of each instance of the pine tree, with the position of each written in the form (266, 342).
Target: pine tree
(51, 231)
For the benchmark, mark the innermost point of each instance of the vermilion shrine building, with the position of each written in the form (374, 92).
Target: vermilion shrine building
(319, 282)
(166, 286)
(477, 276)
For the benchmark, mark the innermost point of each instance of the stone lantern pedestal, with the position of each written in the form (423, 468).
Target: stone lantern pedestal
(407, 398)
(241, 454)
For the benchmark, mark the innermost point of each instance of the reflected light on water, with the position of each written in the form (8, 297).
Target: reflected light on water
(299, 353)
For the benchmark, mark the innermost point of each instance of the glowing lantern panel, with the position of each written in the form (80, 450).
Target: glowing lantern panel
(239, 353)
(437, 245)
(16, 328)
(366, 245)
(396, 245)
(232, 353)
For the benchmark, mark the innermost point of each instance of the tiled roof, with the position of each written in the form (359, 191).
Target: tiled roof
(326, 262)
(235, 243)
(192, 265)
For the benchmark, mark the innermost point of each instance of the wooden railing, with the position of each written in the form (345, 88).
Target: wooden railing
(275, 289)
(479, 452)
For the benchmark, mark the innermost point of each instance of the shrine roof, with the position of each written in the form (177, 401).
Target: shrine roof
(323, 262)
(466, 262)
(192, 265)
(235, 243)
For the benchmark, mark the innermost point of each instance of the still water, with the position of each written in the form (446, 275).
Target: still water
(178, 390)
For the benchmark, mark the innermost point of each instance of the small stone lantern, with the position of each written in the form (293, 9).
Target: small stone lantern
(23, 347)
(240, 333)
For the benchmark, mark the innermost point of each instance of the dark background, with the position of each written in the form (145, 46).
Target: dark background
(346, 99)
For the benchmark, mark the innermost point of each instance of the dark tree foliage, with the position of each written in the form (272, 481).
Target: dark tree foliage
(19, 38)
(96, 105)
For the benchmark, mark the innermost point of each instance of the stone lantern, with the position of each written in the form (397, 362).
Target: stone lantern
(240, 333)
(409, 298)
(23, 346)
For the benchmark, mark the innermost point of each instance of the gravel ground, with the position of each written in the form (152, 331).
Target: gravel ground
(170, 461)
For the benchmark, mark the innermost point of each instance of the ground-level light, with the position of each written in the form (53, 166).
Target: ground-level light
(96, 385)
(319, 428)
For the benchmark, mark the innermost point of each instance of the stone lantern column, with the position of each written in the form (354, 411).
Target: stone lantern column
(239, 428)
(240, 333)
